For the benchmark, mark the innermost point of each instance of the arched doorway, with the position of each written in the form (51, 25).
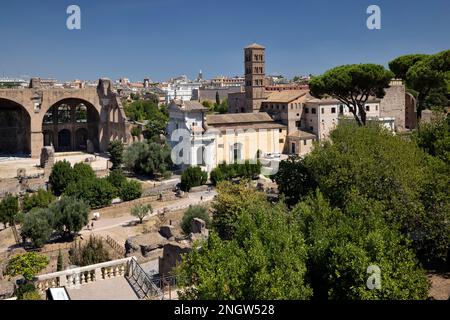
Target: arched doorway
(73, 122)
(15, 129)
(81, 138)
(64, 140)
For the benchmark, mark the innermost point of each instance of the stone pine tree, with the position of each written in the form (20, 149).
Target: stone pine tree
(353, 85)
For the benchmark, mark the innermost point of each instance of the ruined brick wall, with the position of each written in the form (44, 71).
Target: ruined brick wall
(393, 104)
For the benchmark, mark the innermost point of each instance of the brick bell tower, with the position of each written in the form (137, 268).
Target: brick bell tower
(254, 56)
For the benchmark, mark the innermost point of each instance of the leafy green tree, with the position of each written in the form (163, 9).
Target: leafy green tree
(152, 159)
(434, 137)
(141, 211)
(391, 170)
(116, 178)
(353, 85)
(115, 150)
(266, 260)
(69, 215)
(192, 213)
(401, 65)
(147, 110)
(97, 193)
(9, 209)
(428, 75)
(294, 180)
(156, 125)
(25, 291)
(130, 190)
(232, 200)
(342, 245)
(236, 170)
(83, 171)
(28, 265)
(193, 177)
(93, 252)
(40, 199)
(62, 174)
(36, 227)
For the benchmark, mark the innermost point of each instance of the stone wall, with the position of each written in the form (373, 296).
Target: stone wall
(393, 104)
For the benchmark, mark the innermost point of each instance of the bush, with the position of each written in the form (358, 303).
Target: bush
(152, 159)
(83, 171)
(62, 175)
(31, 295)
(130, 190)
(91, 253)
(25, 291)
(230, 171)
(28, 265)
(116, 178)
(36, 227)
(96, 192)
(40, 199)
(192, 213)
(60, 262)
(193, 177)
(69, 215)
(9, 209)
(115, 150)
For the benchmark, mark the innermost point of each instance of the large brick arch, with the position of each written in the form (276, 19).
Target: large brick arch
(15, 127)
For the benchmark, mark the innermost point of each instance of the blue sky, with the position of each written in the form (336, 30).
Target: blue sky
(164, 38)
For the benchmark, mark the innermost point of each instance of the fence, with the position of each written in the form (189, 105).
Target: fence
(120, 250)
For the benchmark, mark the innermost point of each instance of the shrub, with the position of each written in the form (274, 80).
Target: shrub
(69, 215)
(40, 199)
(25, 291)
(116, 178)
(61, 176)
(130, 190)
(28, 265)
(91, 253)
(83, 171)
(152, 159)
(192, 213)
(230, 171)
(193, 177)
(31, 295)
(36, 227)
(115, 150)
(60, 262)
(9, 209)
(96, 192)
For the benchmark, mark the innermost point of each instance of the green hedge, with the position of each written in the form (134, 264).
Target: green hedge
(230, 171)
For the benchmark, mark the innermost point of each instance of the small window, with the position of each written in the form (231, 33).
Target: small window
(306, 110)
(281, 130)
(367, 108)
(305, 142)
(313, 110)
(333, 110)
(311, 128)
(376, 108)
(323, 110)
(281, 140)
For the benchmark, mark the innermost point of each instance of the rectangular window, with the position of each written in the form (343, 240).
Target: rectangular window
(293, 148)
(313, 110)
(341, 109)
(376, 108)
(306, 110)
(323, 110)
(281, 141)
(367, 108)
(305, 142)
(333, 110)
(311, 128)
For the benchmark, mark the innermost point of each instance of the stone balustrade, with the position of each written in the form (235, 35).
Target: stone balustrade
(80, 276)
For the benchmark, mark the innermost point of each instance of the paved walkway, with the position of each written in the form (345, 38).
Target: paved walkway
(105, 224)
